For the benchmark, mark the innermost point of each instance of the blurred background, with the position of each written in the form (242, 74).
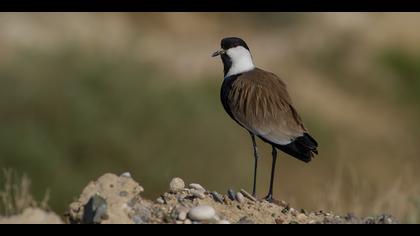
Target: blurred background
(83, 94)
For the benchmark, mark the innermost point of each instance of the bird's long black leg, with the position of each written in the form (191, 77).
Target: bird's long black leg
(254, 144)
(273, 169)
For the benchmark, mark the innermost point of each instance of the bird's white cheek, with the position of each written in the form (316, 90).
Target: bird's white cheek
(241, 60)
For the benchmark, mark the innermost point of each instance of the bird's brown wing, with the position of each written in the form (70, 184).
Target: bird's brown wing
(259, 101)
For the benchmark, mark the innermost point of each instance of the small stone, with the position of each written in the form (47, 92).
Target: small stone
(182, 215)
(123, 194)
(182, 212)
(283, 203)
(160, 200)
(223, 222)
(279, 221)
(198, 194)
(202, 213)
(142, 215)
(245, 220)
(240, 198)
(187, 222)
(197, 187)
(178, 222)
(217, 197)
(126, 175)
(176, 185)
(137, 220)
(293, 212)
(231, 194)
(301, 217)
(94, 210)
(248, 195)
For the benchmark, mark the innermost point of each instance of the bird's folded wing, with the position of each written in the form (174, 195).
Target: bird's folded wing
(259, 101)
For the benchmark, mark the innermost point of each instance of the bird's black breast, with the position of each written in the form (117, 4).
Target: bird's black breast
(225, 91)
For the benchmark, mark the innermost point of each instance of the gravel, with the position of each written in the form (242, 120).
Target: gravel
(117, 199)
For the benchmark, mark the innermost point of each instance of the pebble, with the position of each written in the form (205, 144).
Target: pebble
(279, 221)
(137, 220)
(176, 185)
(240, 198)
(223, 222)
(142, 215)
(95, 210)
(248, 195)
(182, 215)
(160, 200)
(301, 217)
(245, 220)
(126, 175)
(197, 187)
(283, 203)
(198, 194)
(217, 197)
(202, 213)
(187, 222)
(123, 194)
(231, 194)
(293, 212)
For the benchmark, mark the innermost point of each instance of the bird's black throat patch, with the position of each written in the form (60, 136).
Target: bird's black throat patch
(227, 63)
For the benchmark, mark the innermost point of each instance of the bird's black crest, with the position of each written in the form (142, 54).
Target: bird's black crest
(232, 42)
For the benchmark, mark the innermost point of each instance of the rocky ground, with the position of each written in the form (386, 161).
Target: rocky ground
(116, 199)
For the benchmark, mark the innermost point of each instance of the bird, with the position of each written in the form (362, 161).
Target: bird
(258, 101)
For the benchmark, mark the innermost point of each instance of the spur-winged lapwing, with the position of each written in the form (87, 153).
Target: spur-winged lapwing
(258, 101)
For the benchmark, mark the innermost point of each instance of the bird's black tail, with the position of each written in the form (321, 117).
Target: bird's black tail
(302, 148)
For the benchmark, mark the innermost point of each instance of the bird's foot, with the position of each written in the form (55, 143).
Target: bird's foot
(269, 198)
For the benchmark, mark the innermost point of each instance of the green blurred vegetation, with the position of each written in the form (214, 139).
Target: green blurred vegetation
(406, 67)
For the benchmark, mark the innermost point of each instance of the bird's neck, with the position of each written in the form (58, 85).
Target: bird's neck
(238, 65)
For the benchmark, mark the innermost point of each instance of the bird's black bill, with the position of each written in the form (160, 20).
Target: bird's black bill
(217, 53)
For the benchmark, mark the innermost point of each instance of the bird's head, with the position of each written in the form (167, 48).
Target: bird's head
(235, 55)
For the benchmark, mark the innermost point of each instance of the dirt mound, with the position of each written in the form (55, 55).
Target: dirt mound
(117, 199)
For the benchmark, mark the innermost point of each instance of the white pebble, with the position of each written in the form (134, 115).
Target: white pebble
(198, 194)
(126, 175)
(182, 215)
(301, 217)
(223, 222)
(248, 195)
(176, 184)
(240, 197)
(197, 187)
(202, 213)
(160, 200)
